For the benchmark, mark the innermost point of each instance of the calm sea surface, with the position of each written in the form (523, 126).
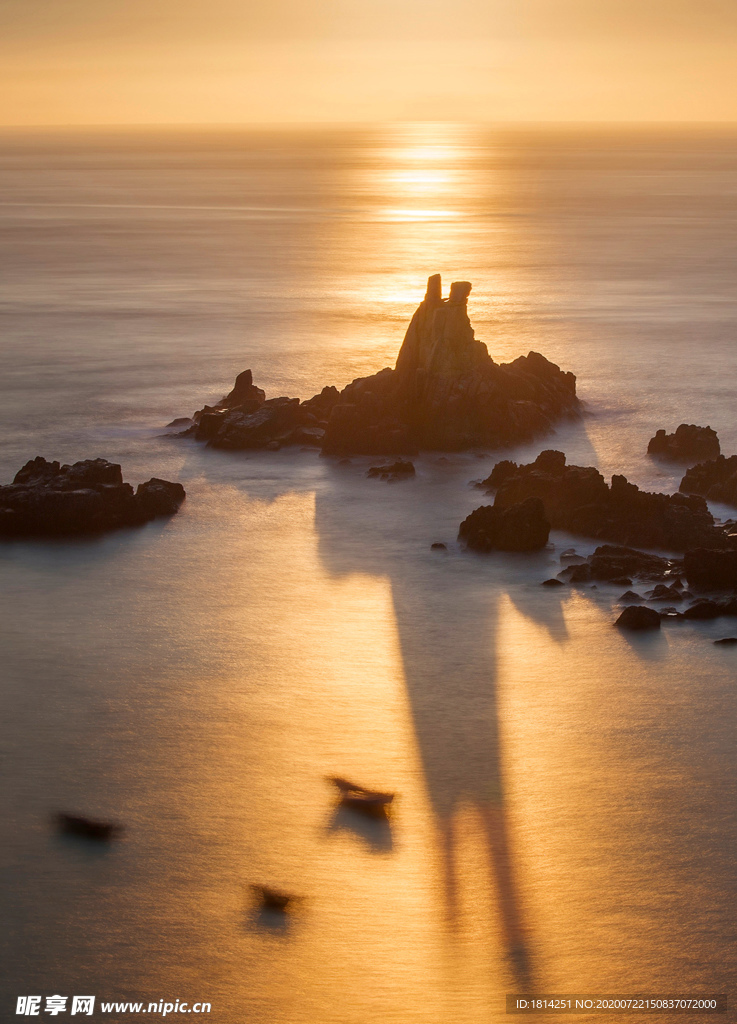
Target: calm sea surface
(566, 815)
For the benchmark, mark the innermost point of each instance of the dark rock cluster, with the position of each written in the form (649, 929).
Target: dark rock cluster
(245, 418)
(689, 443)
(47, 499)
(704, 568)
(715, 479)
(611, 563)
(578, 499)
(521, 527)
(445, 393)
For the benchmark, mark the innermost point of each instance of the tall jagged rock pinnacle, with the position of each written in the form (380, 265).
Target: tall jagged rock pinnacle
(446, 391)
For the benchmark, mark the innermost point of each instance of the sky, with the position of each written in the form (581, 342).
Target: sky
(288, 61)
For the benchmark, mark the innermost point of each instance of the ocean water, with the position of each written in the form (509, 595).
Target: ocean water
(565, 816)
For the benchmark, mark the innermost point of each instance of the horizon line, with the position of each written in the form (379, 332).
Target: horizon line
(543, 123)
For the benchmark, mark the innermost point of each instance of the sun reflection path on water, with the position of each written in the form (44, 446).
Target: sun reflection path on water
(427, 200)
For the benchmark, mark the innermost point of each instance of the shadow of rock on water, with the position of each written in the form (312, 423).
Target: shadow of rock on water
(376, 832)
(268, 919)
(447, 614)
(546, 610)
(650, 646)
(81, 849)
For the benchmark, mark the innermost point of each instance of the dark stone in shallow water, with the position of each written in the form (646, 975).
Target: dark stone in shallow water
(89, 497)
(520, 527)
(438, 546)
(727, 641)
(688, 442)
(665, 593)
(704, 610)
(552, 583)
(395, 471)
(637, 617)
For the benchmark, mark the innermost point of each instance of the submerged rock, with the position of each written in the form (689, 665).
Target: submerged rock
(665, 593)
(47, 499)
(396, 471)
(727, 641)
(638, 617)
(688, 443)
(521, 527)
(715, 480)
(445, 393)
(704, 610)
(578, 499)
(610, 561)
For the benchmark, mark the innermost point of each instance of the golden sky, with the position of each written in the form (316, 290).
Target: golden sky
(237, 61)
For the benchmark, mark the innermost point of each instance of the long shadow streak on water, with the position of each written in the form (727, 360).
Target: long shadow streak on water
(446, 613)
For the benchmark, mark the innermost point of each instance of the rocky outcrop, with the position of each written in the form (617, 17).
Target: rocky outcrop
(245, 418)
(715, 480)
(521, 527)
(445, 393)
(579, 500)
(689, 443)
(47, 499)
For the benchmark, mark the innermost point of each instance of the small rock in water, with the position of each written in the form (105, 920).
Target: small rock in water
(630, 597)
(689, 442)
(552, 583)
(570, 557)
(703, 610)
(521, 527)
(437, 546)
(665, 593)
(637, 617)
(396, 471)
(727, 641)
(580, 573)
